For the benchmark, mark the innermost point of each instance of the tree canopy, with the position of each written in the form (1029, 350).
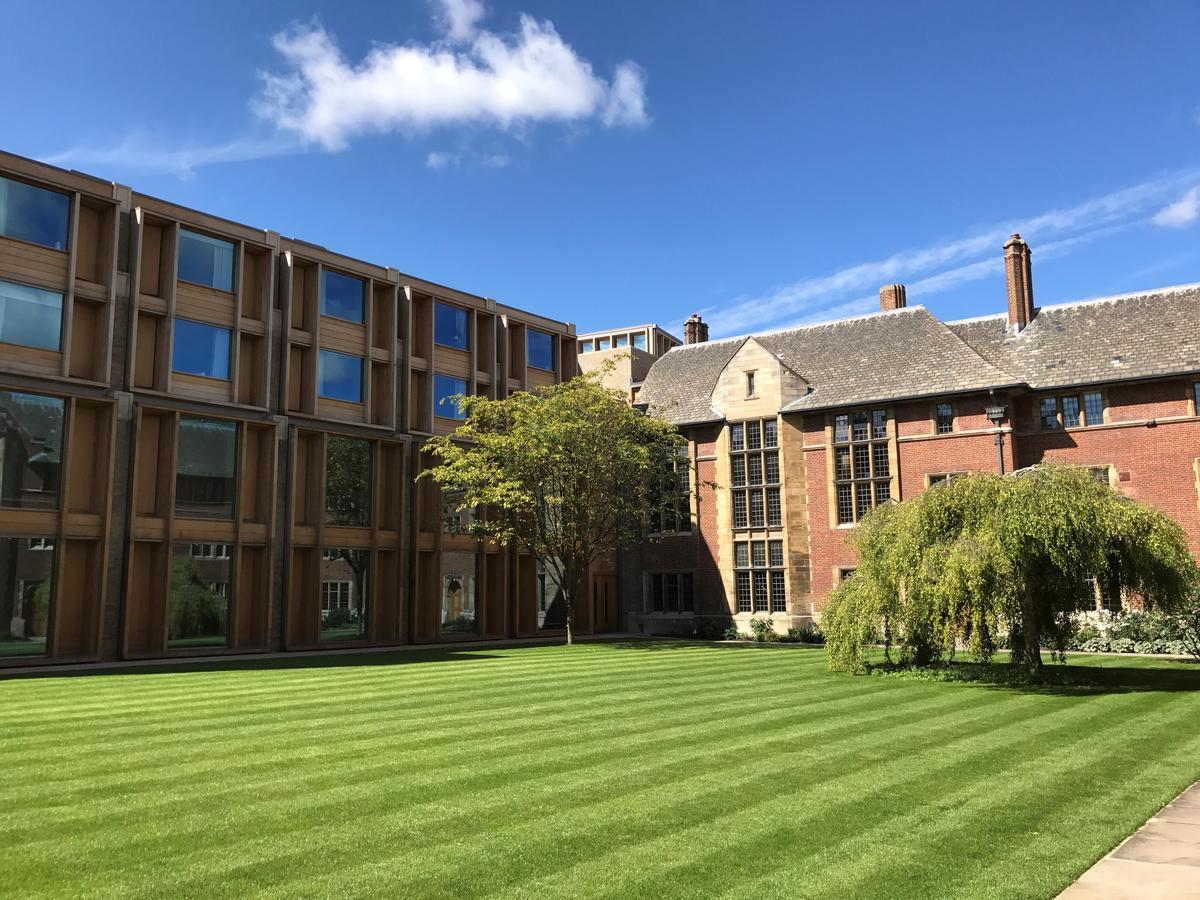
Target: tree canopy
(569, 472)
(978, 558)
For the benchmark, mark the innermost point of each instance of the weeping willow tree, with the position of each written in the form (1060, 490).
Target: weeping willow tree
(978, 558)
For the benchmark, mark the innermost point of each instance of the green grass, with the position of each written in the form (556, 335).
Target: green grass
(621, 770)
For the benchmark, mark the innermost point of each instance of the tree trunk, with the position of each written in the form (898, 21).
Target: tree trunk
(1031, 634)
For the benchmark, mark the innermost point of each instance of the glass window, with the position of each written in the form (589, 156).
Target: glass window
(758, 554)
(450, 328)
(34, 214)
(753, 436)
(340, 376)
(760, 592)
(945, 418)
(1048, 412)
(26, 589)
(342, 296)
(639, 341)
(541, 350)
(1070, 412)
(30, 316)
(458, 593)
(603, 343)
(738, 471)
(776, 550)
(757, 519)
(345, 594)
(347, 481)
(771, 460)
(845, 504)
(205, 260)
(774, 507)
(621, 340)
(445, 389)
(770, 433)
(749, 384)
(741, 555)
(201, 591)
(841, 429)
(205, 468)
(739, 510)
(1093, 408)
(585, 346)
(743, 591)
(31, 429)
(737, 438)
(201, 349)
(778, 592)
(687, 602)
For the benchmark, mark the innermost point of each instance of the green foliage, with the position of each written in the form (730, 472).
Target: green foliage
(710, 629)
(732, 633)
(975, 557)
(570, 472)
(1144, 631)
(763, 630)
(804, 634)
(195, 609)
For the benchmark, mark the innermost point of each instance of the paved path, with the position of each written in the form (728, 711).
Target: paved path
(1161, 859)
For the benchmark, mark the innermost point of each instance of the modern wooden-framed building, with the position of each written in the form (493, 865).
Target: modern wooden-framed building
(210, 435)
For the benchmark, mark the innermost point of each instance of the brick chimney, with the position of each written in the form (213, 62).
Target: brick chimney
(892, 296)
(1018, 273)
(695, 330)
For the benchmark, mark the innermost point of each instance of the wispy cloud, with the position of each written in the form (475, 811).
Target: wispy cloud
(949, 263)
(144, 153)
(444, 159)
(1182, 213)
(467, 77)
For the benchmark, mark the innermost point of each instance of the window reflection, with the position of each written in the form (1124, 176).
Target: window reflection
(450, 326)
(340, 376)
(201, 349)
(458, 593)
(445, 389)
(205, 260)
(345, 589)
(31, 428)
(26, 589)
(347, 481)
(342, 296)
(201, 591)
(541, 349)
(205, 468)
(34, 214)
(29, 316)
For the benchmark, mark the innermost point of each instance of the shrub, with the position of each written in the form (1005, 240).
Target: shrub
(763, 630)
(804, 634)
(1189, 627)
(713, 629)
(732, 633)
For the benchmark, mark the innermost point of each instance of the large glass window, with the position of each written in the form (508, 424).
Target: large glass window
(450, 327)
(754, 470)
(541, 350)
(30, 316)
(862, 470)
(201, 591)
(342, 296)
(445, 389)
(458, 592)
(672, 592)
(201, 349)
(205, 260)
(26, 587)
(345, 593)
(347, 481)
(34, 214)
(340, 376)
(205, 468)
(639, 340)
(31, 429)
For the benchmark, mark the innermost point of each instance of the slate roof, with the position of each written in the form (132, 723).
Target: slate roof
(1144, 335)
(909, 353)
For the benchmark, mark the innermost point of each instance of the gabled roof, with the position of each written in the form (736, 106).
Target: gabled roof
(1143, 335)
(884, 356)
(909, 353)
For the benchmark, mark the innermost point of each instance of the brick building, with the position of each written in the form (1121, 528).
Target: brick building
(805, 429)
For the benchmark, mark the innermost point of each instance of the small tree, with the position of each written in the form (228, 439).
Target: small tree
(975, 556)
(568, 472)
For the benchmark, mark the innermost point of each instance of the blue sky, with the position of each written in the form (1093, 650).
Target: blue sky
(617, 163)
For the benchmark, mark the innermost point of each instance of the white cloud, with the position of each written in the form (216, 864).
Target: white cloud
(946, 264)
(1182, 213)
(439, 159)
(501, 81)
(460, 18)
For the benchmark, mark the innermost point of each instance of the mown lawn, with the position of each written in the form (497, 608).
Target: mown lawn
(655, 770)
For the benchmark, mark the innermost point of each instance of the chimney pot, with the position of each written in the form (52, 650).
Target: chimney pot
(1018, 274)
(695, 330)
(892, 296)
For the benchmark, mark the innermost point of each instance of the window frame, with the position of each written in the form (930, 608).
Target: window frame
(362, 375)
(655, 593)
(467, 336)
(362, 319)
(62, 310)
(229, 351)
(855, 435)
(455, 415)
(68, 225)
(234, 274)
(944, 423)
(553, 344)
(755, 496)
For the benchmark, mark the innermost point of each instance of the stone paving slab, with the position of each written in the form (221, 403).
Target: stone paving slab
(1160, 860)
